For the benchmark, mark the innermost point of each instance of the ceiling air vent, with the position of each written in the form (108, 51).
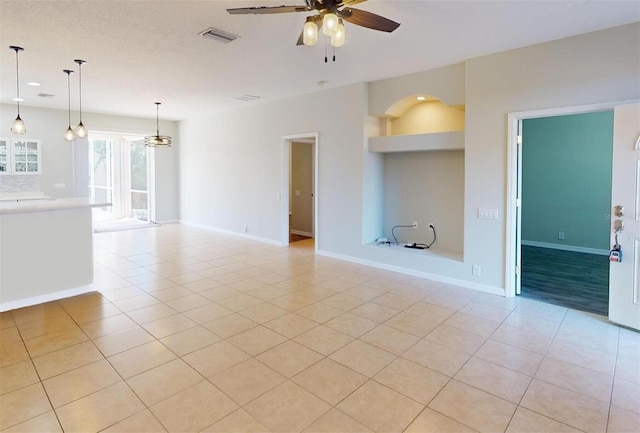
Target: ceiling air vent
(247, 98)
(45, 95)
(218, 35)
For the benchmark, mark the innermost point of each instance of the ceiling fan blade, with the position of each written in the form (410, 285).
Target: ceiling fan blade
(268, 10)
(367, 19)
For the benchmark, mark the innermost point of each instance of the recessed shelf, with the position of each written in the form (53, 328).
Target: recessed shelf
(434, 253)
(418, 142)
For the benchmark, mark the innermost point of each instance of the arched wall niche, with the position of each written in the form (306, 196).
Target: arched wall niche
(421, 114)
(415, 163)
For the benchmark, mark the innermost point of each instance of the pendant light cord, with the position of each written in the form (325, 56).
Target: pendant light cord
(17, 83)
(80, 78)
(69, 94)
(157, 119)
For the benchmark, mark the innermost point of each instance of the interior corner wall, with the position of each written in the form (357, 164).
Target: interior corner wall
(566, 180)
(372, 182)
(231, 166)
(48, 125)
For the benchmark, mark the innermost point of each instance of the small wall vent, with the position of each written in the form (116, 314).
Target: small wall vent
(45, 95)
(218, 35)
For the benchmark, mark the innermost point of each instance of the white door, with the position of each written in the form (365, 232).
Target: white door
(624, 277)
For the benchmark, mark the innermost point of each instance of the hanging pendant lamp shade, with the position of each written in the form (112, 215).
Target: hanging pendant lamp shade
(338, 38)
(69, 135)
(329, 23)
(157, 140)
(81, 130)
(18, 126)
(310, 32)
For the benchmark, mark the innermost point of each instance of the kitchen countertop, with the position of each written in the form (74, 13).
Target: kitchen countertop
(47, 205)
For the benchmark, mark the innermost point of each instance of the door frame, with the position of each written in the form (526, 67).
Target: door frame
(513, 240)
(286, 185)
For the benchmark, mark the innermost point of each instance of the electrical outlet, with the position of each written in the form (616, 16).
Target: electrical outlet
(561, 236)
(415, 224)
(431, 227)
(476, 270)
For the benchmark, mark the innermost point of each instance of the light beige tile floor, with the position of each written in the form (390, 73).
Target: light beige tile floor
(194, 331)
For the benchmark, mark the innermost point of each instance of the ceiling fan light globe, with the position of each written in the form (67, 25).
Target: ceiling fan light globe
(338, 38)
(310, 31)
(18, 126)
(329, 24)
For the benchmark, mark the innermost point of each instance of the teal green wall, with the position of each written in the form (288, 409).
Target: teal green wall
(566, 179)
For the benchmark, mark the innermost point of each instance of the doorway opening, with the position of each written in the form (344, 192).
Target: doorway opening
(558, 215)
(299, 197)
(565, 201)
(120, 169)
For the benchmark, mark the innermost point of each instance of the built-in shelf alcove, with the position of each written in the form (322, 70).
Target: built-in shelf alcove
(414, 170)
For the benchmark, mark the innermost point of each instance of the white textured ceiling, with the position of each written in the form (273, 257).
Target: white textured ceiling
(139, 52)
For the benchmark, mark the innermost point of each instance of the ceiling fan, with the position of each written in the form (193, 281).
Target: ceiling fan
(330, 14)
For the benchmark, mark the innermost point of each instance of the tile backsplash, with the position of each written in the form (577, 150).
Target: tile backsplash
(19, 183)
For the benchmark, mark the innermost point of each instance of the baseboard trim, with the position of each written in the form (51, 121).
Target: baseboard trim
(232, 233)
(301, 233)
(571, 248)
(41, 299)
(426, 275)
(168, 222)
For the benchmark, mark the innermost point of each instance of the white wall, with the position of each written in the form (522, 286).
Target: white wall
(593, 68)
(231, 163)
(426, 187)
(57, 157)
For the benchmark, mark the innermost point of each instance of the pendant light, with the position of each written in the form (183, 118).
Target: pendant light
(157, 140)
(18, 126)
(81, 130)
(69, 135)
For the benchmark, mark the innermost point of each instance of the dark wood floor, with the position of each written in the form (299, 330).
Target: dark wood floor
(574, 280)
(295, 238)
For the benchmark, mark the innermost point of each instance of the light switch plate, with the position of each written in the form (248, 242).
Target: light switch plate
(489, 214)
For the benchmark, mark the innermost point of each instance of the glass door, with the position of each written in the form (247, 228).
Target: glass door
(101, 177)
(119, 174)
(137, 186)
